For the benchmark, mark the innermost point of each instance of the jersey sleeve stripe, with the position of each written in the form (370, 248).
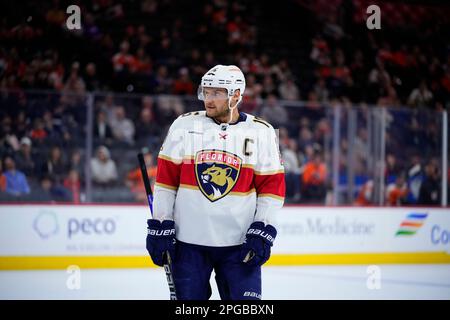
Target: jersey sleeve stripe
(166, 186)
(188, 186)
(270, 196)
(168, 173)
(273, 184)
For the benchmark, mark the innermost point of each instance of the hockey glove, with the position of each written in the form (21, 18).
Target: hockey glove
(160, 238)
(255, 250)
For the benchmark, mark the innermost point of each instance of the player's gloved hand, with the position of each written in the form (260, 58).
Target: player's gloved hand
(160, 238)
(255, 250)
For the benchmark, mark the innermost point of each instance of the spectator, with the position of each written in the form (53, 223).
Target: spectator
(292, 170)
(55, 166)
(72, 183)
(283, 138)
(273, 113)
(76, 163)
(108, 107)
(8, 136)
(134, 177)
(252, 97)
(290, 158)
(2, 178)
(305, 138)
(90, 77)
(74, 88)
(365, 194)
(393, 168)
(122, 60)
(51, 191)
(51, 126)
(21, 124)
(163, 80)
(307, 155)
(38, 133)
(183, 85)
(414, 179)
(268, 87)
(288, 90)
(16, 182)
(147, 129)
(396, 192)
(102, 131)
(147, 102)
(378, 80)
(320, 51)
(430, 189)
(253, 88)
(142, 64)
(321, 92)
(313, 103)
(123, 128)
(379, 75)
(169, 107)
(314, 179)
(104, 170)
(25, 158)
(420, 97)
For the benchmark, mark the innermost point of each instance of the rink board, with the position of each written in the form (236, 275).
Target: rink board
(113, 236)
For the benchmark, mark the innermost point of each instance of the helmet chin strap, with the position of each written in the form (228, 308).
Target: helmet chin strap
(232, 108)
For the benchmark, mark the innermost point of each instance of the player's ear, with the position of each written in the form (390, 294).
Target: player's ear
(236, 95)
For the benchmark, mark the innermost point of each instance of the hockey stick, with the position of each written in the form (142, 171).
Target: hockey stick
(166, 258)
(249, 256)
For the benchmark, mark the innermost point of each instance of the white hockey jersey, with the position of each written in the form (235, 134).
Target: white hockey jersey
(214, 180)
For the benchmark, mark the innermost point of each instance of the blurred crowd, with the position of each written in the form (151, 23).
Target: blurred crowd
(157, 51)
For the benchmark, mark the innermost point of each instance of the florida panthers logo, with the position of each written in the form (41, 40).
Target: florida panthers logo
(216, 172)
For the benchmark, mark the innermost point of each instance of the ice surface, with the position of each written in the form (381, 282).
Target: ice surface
(305, 282)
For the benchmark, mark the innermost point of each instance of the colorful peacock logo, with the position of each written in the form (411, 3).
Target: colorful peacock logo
(411, 224)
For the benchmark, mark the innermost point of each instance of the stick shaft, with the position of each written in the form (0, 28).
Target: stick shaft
(146, 180)
(167, 258)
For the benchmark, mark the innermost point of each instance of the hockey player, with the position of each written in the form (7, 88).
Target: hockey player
(219, 184)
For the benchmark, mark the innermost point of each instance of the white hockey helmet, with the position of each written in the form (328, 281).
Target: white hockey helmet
(229, 77)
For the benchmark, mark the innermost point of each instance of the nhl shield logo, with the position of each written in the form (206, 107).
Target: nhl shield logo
(216, 172)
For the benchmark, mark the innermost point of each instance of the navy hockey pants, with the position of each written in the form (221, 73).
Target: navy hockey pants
(192, 269)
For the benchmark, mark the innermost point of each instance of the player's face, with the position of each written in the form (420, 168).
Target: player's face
(216, 102)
